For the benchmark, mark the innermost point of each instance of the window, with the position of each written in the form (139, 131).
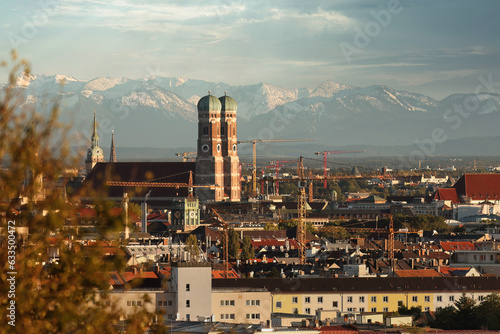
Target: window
(427, 309)
(308, 299)
(374, 299)
(362, 299)
(205, 130)
(253, 302)
(335, 304)
(278, 304)
(427, 299)
(188, 304)
(452, 298)
(439, 308)
(439, 298)
(400, 303)
(227, 303)
(320, 299)
(386, 309)
(361, 309)
(253, 315)
(308, 310)
(414, 299)
(385, 299)
(295, 300)
(480, 298)
(188, 287)
(188, 317)
(374, 309)
(129, 303)
(349, 299)
(227, 316)
(350, 309)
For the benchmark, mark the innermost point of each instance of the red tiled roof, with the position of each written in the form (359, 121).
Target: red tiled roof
(447, 271)
(417, 273)
(457, 245)
(479, 186)
(446, 194)
(220, 274)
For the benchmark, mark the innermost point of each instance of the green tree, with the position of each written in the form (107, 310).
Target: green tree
(465, 315)
(247, 250)
(234, 243)
(488, 312)
(70, 295)
(192, 246)
(335, 232)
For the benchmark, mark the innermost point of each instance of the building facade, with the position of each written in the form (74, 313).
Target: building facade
(217, 161)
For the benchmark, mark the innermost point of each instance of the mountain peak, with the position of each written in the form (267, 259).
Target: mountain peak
(329, 88)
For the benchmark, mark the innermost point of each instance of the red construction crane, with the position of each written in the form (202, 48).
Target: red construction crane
(254, 144)
(325, 155)
(277, 164)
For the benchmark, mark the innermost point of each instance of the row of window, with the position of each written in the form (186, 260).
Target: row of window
(253, 316)
(134, 303)
(227, 316)
(373, 299)
(165, 303)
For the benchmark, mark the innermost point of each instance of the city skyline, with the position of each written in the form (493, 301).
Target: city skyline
(403, 44)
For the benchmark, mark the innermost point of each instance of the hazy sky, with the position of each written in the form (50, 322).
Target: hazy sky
(289, 43)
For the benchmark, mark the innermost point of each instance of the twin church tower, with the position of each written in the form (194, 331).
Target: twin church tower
(217, 161)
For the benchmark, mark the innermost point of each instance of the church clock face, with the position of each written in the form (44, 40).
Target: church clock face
(192, 214)
(234, 148)
(218, 147)
(177, 214)
(205, 148)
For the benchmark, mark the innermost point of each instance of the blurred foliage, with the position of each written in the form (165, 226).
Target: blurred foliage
(70, 295)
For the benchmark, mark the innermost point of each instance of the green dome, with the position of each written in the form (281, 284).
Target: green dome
(228, 103)
(209, 102)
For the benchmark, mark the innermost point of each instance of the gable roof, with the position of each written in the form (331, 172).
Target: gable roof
(446, 194)
(171, 172)
(457, 245)
(479, 186)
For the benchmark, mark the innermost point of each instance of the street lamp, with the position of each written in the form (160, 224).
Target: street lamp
(144, 212)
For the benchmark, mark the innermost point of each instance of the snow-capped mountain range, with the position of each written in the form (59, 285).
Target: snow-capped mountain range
(161, 112)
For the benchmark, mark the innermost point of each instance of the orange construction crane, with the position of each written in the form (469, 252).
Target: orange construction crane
(186, 155)
(226, 243)
(177, 185)
(325, 155)
(254, 156)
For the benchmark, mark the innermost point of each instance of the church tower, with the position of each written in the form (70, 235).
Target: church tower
(209, 160)
(94, 153)
(112, 154)
(232, 188)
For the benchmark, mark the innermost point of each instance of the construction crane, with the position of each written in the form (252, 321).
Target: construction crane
(177, 185)
(185, 155)
(325, 155)
(226, 243)
(277, 164)
(254, 147)
(301, 213)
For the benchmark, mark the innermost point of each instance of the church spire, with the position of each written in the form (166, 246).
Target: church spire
(112, 155)
(95, 136)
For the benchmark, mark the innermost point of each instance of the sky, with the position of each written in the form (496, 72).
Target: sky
(428, 46)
